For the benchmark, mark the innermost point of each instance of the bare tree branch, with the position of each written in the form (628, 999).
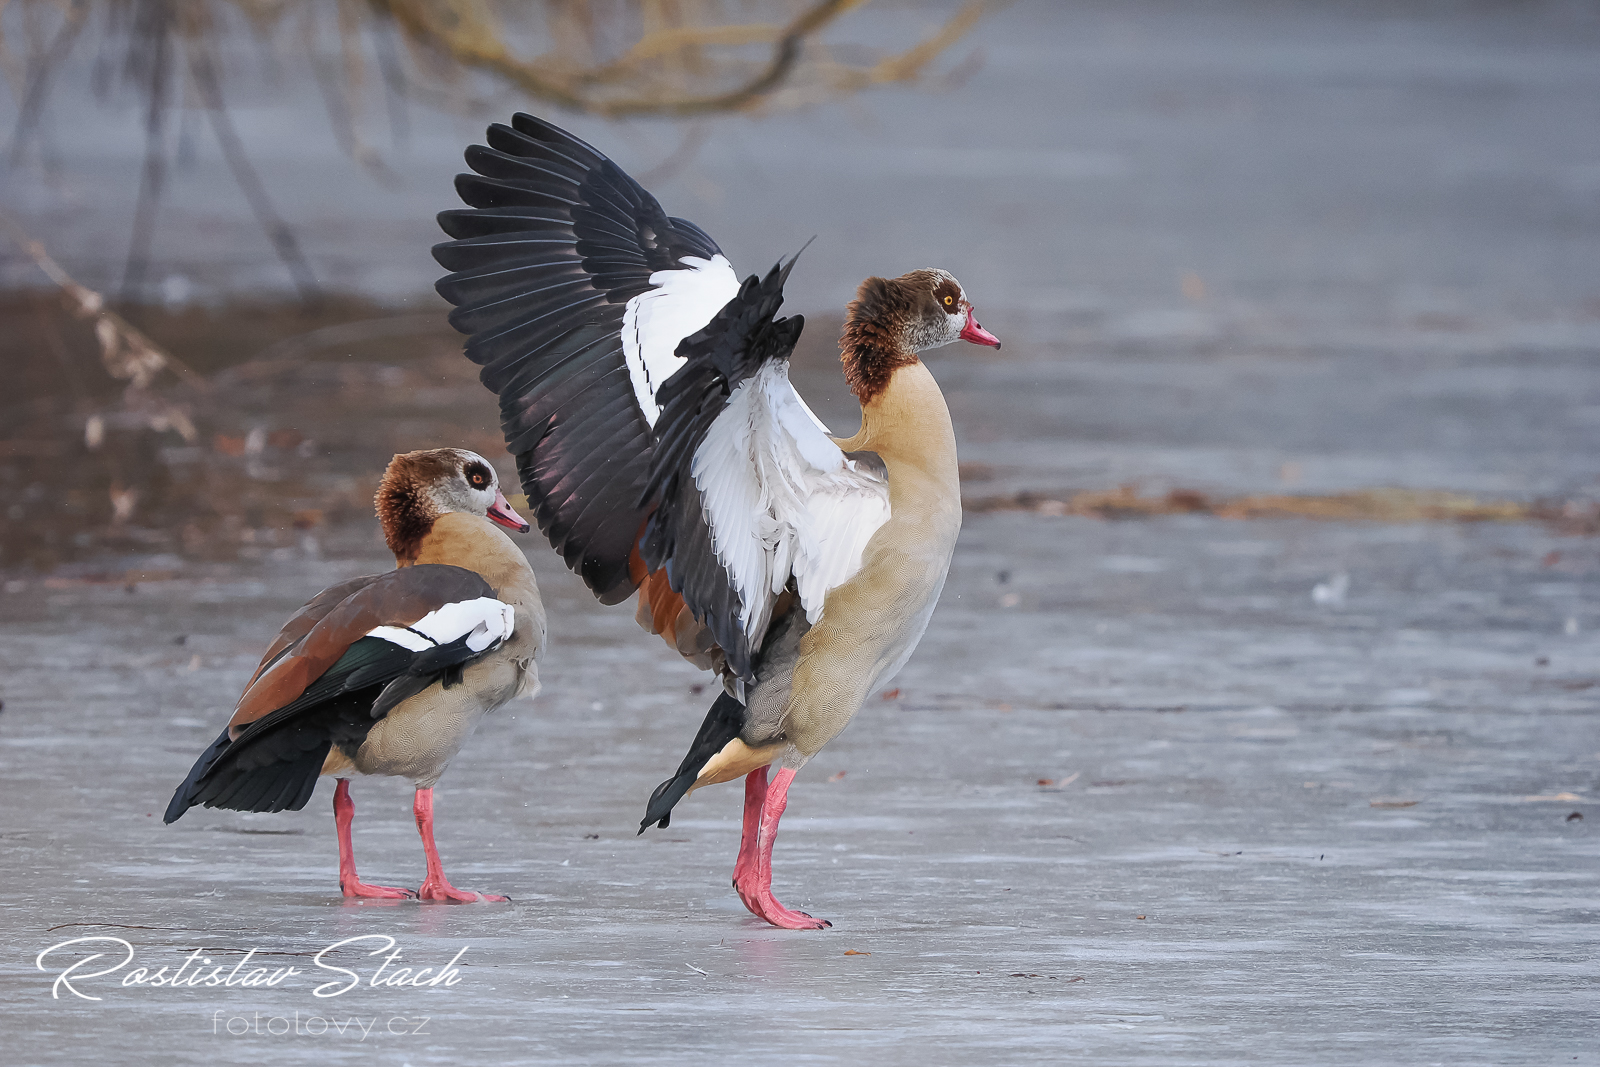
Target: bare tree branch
(468, 38)
(613, 58)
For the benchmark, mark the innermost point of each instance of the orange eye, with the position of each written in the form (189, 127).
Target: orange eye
(949, 300)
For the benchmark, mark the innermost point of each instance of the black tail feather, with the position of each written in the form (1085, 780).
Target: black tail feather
(275, 761)
(722, 724)
(183, 798)
(224, 777)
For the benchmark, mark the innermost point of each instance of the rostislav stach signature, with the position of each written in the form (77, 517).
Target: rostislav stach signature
(85, 966)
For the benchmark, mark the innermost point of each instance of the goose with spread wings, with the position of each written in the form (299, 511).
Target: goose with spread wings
(644, 391)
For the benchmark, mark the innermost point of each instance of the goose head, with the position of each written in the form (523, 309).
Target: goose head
(939, 312)
(418, 487)
(892, 319)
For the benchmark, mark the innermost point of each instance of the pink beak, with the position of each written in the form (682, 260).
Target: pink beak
(977, 334)
(501, 513)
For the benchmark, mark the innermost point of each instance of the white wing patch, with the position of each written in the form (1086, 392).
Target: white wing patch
(657, 321)
(483, 622)
(781, 499)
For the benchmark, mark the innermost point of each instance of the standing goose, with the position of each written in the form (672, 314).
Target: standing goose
(645, 394)
(389, 673)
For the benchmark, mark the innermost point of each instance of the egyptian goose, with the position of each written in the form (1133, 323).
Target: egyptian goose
(389, 673)
(645, 394)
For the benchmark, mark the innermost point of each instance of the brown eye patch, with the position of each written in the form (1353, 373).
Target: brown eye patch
(478, 476)
(948, 294)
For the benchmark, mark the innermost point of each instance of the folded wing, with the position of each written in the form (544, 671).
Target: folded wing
(389, 638)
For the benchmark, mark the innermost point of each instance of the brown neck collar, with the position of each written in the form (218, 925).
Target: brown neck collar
(405, 506)
(407, 518)
(872, 345)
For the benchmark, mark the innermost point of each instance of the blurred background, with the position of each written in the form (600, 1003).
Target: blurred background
(1336, 260)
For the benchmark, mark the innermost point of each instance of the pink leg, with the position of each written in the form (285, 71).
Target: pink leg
(344, 810)
(754, 879)
(755, 795)
(437, 886)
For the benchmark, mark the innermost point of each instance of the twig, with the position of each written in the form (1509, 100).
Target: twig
(394, 81)
(338, 89)
(276, 229)
(127, 352)
(910, 64)
(291, 350)
(667, 168)
(464, 40)
(155, 23)
(471, 42)
(677, 39)
(39, 81)
(785, 54)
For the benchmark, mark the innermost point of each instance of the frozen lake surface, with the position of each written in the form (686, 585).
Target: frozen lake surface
(1274, 831)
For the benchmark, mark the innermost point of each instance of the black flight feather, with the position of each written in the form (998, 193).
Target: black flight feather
(555, 242)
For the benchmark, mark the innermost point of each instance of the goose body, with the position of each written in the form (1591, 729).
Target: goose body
(809, 686)
(419, 736)
(389, 674)
(645, 393)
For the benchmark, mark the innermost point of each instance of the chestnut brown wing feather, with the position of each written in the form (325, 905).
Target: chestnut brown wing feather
(315, 610)
(398, 598)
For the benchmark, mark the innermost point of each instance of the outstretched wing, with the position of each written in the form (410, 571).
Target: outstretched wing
(388, 639)
(576, 289)
(749, 490)
(638, 380)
